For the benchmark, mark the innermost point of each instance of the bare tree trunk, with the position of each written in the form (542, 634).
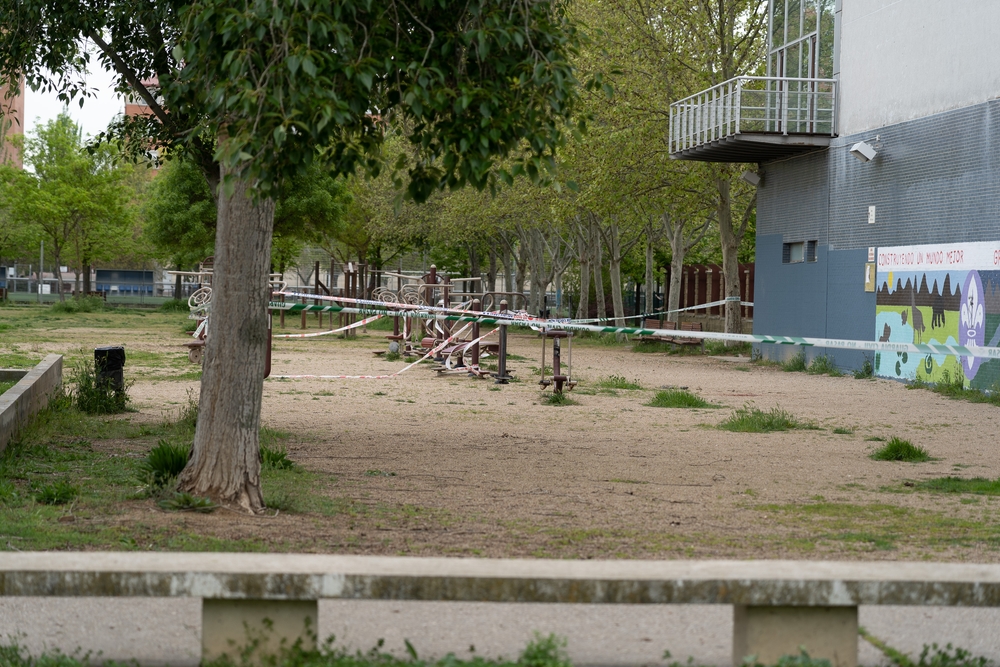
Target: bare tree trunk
(583, 254)
(615, 271)
(59, 278)
(87, 288)
(491, 275)
(225, 459)
(650, 285)
(678, 249)
(602, 308)
(730, 238)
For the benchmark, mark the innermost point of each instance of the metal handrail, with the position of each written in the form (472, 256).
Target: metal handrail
(757, 104)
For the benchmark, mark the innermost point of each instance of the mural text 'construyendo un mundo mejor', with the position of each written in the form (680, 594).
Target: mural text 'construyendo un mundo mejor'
(939, 293)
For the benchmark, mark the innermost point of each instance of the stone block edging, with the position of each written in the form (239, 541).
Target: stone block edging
(24, 400)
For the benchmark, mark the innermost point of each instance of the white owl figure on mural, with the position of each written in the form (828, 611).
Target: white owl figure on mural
(972, 315)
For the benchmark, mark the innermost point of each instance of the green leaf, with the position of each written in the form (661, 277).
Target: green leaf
(293, 62)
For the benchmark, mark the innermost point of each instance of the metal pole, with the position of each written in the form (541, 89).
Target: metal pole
(475, 336)
(501, 376)
(41, 269)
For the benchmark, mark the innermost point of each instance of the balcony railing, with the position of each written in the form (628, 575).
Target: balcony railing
(754, 105)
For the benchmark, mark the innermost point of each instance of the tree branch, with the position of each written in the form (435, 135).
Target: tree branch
(130, 76)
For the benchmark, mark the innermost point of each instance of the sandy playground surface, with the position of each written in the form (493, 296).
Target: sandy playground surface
(451, 465)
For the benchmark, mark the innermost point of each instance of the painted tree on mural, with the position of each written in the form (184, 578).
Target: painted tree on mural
(256, 92)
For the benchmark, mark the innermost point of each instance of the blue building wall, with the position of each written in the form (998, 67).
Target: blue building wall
(936, 179)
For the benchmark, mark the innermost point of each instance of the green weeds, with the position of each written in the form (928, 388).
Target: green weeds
(97, 396)
(181, 501)
(898, 449)
(678, 398)
(824, 365)
(751, 419)
(617, 382)
(866, 372)
(795, 364)
(164, 463)
(57, 493)
(85, 304)
(558, 399)
(955, 389)
(976, 486)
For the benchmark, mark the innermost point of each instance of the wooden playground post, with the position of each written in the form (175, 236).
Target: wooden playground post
(475, 336)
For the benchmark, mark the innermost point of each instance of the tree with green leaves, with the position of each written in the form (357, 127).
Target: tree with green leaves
(256, 92)
(74, 200)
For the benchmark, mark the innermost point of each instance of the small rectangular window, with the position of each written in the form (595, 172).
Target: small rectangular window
(792, 253)
(810, 251)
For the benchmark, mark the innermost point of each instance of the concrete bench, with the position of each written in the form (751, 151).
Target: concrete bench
(778, 605)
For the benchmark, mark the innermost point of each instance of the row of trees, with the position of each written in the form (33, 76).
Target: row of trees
(412, 101)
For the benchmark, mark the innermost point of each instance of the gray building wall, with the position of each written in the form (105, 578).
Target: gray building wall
(936, 179)
(906, 59)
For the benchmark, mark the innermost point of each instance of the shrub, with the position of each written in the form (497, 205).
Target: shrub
(164, 462)
(558, 399)
(95, 396)
(751, 419)
(898, 449)
(678, 398)
(866, 371)
(275, 457)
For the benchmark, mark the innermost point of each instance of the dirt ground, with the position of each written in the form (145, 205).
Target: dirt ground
(452, 465)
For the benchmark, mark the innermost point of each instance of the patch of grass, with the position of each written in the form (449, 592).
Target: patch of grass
(374, 472)
(5, 385)
(678, 398)
(866, 372)
(542, 651)
(875, 438)
(391, 356)
(181, 501)
(558, 399)
(824, 365)
(17, 359)
(931, 656)
(898, 449)
(795, 364)
(617, 382)
(843, 430)
(273, 453)
(979, 486)
(85, 304)
(719, 348)
(57, 493)
(652, 346)
(955, 389)
(751, 419)
(174, 306)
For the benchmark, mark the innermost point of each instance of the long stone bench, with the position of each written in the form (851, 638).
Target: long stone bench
(31, 393)
(779, 606)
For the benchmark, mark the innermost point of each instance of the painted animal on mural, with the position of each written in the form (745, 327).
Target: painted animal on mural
(918, 318)
(937, 311)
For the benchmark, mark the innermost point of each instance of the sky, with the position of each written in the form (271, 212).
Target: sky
(95, 115)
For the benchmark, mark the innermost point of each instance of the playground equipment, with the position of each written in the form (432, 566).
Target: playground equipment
(558, 380)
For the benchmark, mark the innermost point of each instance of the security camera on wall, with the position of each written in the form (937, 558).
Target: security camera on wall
(863, 151)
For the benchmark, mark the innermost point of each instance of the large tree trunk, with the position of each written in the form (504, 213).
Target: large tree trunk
(730, 239)
(87, 289)
(595, 240)
(178, 283)
(225, 459)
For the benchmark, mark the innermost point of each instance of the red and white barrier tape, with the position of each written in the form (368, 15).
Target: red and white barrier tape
(333, 331)
(433, 351)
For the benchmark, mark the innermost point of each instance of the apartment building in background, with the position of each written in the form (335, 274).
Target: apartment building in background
(876, 138)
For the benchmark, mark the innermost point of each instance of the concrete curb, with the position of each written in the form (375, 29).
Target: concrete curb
(32, 392)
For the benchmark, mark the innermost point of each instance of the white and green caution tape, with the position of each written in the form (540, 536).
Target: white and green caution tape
(537, 323)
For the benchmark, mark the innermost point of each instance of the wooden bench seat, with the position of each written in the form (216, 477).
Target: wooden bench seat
(672, 326)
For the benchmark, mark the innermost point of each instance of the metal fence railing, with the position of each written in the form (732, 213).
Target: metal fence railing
(754, 104)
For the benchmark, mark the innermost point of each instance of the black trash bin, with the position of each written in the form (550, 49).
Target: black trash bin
(109, 362)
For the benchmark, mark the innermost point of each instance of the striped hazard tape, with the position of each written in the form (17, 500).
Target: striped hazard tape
(537, 323)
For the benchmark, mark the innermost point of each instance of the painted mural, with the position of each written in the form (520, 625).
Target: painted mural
(939, 293)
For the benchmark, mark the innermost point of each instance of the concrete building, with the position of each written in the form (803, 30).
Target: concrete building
(877, 137)
(11, 123)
